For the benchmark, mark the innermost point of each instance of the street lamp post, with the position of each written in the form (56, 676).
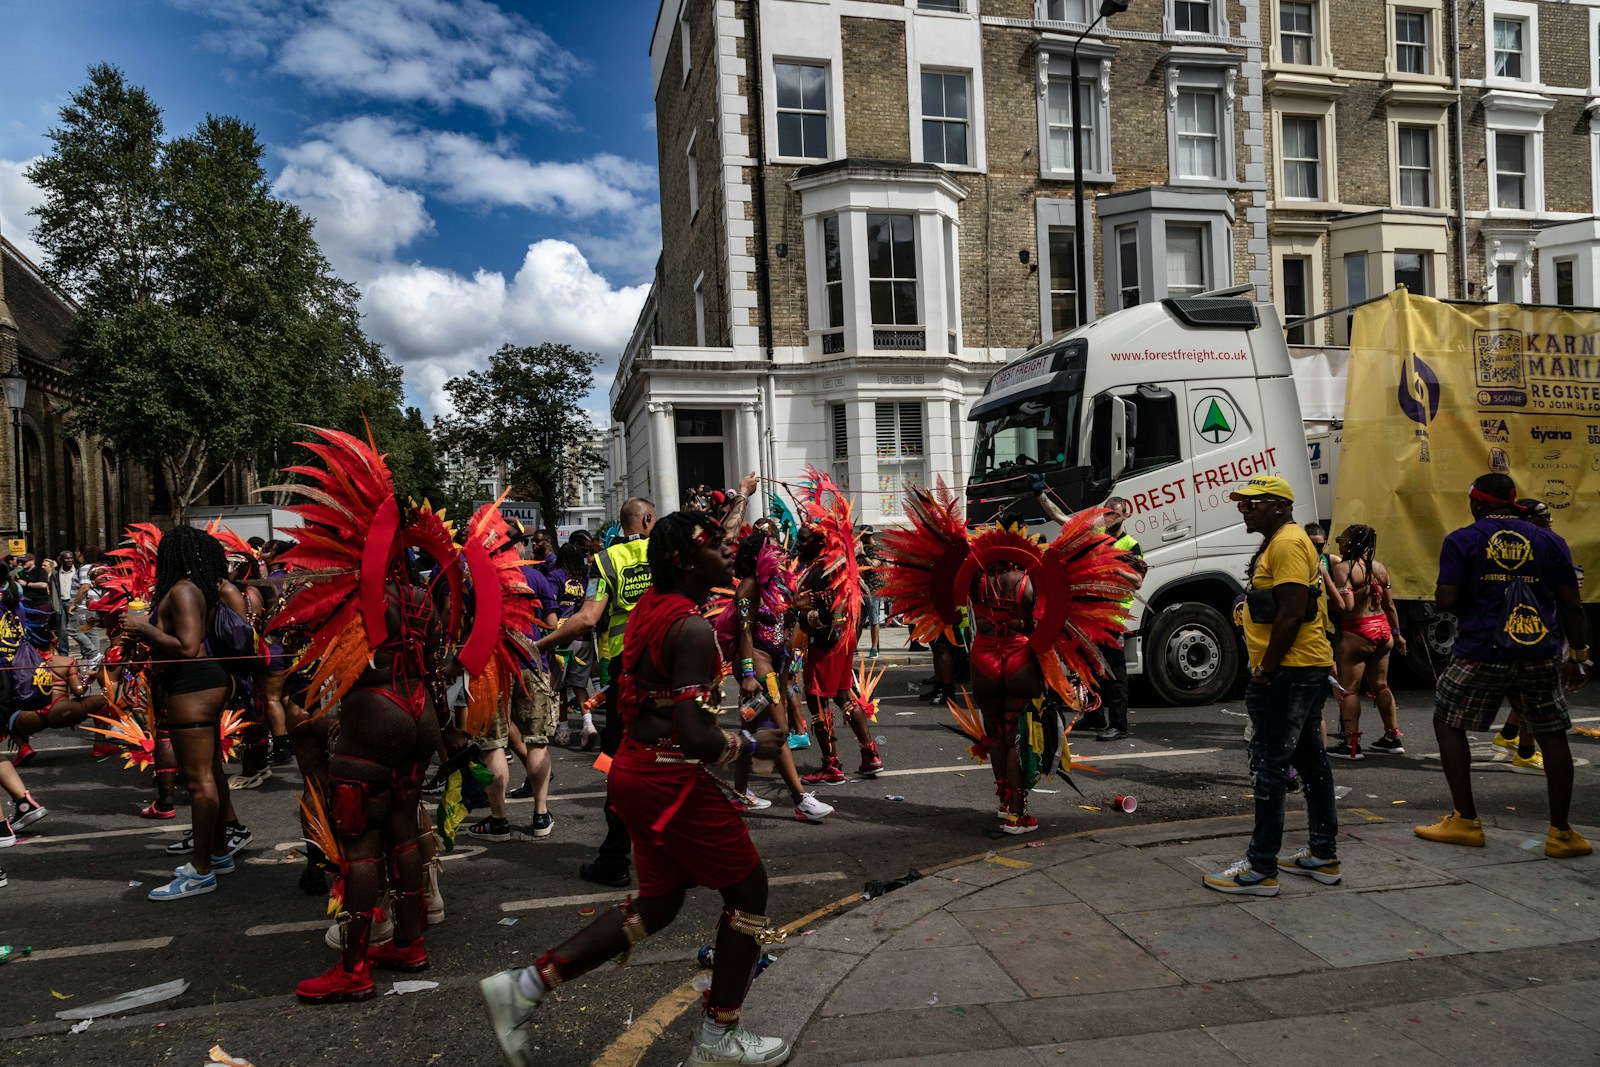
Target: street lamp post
(1107, 7)
(15, 384)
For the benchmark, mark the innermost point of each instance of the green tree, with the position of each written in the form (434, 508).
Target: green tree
(211, 323)
(526, 412)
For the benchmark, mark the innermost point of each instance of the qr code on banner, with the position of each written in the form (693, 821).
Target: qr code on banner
(1498, 357)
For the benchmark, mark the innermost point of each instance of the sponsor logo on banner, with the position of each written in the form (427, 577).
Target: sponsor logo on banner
(1495, 430)
(1557, 493)
(1542, 435)
(1498, 463)
(1418, 394)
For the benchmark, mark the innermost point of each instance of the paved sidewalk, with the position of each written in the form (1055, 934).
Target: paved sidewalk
(1105, 948)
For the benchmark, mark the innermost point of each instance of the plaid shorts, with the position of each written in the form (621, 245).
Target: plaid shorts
(1470, 694)
(534, 708)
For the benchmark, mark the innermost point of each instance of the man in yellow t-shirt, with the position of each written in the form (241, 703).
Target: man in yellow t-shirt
(1284, 615)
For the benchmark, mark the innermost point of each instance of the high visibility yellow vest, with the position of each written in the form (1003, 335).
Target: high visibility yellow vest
(624, 576)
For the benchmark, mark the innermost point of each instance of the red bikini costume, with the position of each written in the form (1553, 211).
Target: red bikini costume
(1003, 650)
(1374, 628)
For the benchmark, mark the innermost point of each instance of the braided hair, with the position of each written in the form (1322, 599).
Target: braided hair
(1360, 544)
(189, 552)
(672, 538)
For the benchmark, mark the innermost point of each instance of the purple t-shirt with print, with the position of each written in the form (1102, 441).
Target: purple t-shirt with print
(547, 600)
(1507, 571)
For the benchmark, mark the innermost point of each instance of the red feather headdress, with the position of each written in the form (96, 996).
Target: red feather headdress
(132, 574)
(923, 560)
(825, 508)
(494, 656)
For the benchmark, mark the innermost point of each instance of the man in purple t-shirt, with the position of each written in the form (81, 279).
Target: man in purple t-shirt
(1515, 594)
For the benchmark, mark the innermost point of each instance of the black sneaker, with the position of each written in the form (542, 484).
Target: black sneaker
(521, 792)
(1346, 752)
(1111, 733)
(239, 837)
(280, 753)
(1389, 745)
(606, 874)
(433, 786)
(3, 881)
(543, 823)
(939, 697)
(490, 827)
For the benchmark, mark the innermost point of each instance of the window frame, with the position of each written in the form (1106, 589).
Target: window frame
(1041, 12)
(1437, 192)
(1318, 162)
(924, 7)
(1094, 66)
(700, 310)
(1217, 18)
(1308, 36)
(1528, 15)
(894, 279)
(1059, 214)
(1303, 264)
(1532, 198)
(1214, 105)
(1571, 263)
(685, 57)
(897, 463)
(1208, 273)
(1208, 74)
(966, 122)
(1146, 215)
(693, 167)
(1422, 48)
(1425, 264)
(1323, 111)
(834, 147)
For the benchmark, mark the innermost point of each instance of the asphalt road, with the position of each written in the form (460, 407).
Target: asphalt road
(70, 895)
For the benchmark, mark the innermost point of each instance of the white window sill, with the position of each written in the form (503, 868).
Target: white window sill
(1291, 204)
(1514, 213)
(1515, 86)
(1205, 183)
(799, 161)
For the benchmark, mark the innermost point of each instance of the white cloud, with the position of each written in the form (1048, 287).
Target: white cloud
(469, 170)
(440, 324)
(439, 52)
(360, 217)
(17, 197)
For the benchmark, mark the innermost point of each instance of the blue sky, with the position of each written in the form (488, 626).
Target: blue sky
(484, 170)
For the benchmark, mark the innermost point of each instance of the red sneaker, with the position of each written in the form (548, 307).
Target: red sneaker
(1019, 824)
(150, 811)
(391, 956)
(24, 756)
(830, 774)
(871, 764)
(104, 749)
(338, 985)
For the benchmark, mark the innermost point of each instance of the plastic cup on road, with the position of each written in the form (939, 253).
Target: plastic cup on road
(1125, 804)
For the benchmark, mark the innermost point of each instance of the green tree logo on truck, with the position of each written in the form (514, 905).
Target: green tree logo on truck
(1215, 419)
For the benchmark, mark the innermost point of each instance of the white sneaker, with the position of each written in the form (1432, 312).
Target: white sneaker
(755, 803)
(435, 899)
(377, 935)
(508, 1012)
(743, 1047)
(810, 809)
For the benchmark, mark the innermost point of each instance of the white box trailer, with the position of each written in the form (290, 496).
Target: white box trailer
(248, 520)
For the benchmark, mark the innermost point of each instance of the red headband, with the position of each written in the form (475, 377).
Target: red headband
(1490, 498)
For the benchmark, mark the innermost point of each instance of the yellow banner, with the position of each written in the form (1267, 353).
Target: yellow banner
(1438, 394)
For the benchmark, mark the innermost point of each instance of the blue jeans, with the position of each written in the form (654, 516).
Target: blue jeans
(1286, 714)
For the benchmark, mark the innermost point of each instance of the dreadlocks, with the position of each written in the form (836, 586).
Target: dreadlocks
(188, 552)
(673, 538)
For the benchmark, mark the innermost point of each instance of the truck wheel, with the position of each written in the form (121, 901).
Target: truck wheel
(1191, 654)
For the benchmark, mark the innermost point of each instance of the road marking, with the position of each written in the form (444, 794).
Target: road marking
(288, 928)
(96, 950)
(559, 796)
(43, 839)
(598, 898)
(966, 766)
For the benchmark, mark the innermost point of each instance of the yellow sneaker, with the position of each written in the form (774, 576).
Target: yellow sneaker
(1565, 844)
(1508, 743)
(1534, 764)
(1454, 830)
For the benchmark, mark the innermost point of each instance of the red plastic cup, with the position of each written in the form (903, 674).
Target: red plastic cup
(1126, 804)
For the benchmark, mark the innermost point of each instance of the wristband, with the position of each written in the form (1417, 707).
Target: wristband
(1578, 655)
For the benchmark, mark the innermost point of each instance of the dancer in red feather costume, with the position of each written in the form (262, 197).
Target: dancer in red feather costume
(1038, 613)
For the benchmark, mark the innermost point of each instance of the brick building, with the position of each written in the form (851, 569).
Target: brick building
(1446, 147)
(867, 204)
(867, 207)
(74, 493)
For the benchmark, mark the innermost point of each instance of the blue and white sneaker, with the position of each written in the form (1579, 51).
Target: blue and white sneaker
(1243, 880)
(219, 865)
(186, 884)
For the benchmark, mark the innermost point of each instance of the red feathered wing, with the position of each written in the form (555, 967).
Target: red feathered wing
(924, 559)
(504, 615)
(1081, 584)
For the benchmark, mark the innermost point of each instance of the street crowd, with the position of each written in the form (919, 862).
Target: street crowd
(406, 666)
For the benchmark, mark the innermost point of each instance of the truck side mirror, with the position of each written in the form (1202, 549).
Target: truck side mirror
(1108, 438)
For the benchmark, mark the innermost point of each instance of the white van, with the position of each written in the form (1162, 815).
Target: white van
(1170, 405)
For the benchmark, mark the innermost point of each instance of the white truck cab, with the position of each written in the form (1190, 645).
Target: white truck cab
(1170, 405)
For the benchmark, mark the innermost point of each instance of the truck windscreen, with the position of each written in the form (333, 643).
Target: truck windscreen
(1038, 433)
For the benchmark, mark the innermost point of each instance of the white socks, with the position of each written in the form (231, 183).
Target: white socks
(531, 984)
(711, 1032)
